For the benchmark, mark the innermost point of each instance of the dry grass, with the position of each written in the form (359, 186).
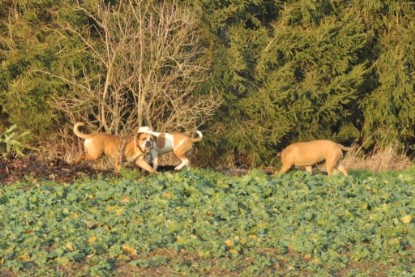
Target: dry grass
(384, 158)
(60, 145)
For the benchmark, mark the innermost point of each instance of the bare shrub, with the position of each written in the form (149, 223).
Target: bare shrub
(144, 61)
(148, 58)
(60, 144)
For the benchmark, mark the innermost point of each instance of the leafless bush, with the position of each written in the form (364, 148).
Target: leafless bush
(148, 59)
(61, 144)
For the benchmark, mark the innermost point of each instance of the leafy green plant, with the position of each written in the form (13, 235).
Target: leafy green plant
(12, 142)
(198, 222)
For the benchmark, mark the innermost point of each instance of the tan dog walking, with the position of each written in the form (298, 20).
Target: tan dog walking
(309, 153)
(98, 144)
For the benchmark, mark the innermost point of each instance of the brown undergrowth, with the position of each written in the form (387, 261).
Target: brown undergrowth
(384, 158)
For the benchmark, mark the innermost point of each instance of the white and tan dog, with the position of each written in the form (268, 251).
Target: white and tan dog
(135, 148)
(309, 153)
(179, 143)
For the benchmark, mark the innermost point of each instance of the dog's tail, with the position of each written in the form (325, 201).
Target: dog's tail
(199, 138)
(79, 133)
(346, 148)
(352, 147)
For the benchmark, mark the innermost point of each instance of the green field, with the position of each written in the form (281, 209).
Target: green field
(200, 222)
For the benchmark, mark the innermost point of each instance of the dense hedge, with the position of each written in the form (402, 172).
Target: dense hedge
(285, 70)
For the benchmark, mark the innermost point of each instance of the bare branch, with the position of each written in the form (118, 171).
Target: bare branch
(148, 59)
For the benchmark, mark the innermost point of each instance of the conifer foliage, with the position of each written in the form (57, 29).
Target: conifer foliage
(299, 70)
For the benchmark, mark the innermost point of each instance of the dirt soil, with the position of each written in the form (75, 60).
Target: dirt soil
(24, 168)
(30, 167)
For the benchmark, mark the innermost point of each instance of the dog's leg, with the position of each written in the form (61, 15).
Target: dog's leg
(149, 158)
(342, 169)
(80, 158)
(333, 162)
(309, 168)
(330, 167)
(86, 156)
(117, 165)
(153, 158)
(184, 159)
(142, 163)
(156, 163)
(185, 162)
(118, 156)
(285, 168)
(181, 154)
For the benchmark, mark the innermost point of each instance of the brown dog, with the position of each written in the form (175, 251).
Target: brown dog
(179, 143)
(309, 153)
(98, 144)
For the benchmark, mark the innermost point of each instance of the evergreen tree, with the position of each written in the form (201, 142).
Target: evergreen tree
(388, 108)
(24, 47)
(290, 75)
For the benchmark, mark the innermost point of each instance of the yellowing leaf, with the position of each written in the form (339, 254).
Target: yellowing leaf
(92, 239)
(203, 254)
(406, 219)
(119, 211)
(234, 252)
(229, 243)
(25, 257)
(181, 240)
(394, 242)
(70, 246)
(243, 240)
(347, 213)
(167, 195)
(116, 209)
(62, 260)
(129, 250)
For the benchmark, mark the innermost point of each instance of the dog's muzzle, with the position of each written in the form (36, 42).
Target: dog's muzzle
(147, 146)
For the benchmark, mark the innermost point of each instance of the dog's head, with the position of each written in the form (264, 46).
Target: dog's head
(145, 140)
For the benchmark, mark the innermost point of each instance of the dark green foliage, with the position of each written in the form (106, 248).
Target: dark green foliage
(28, 48)
(307, 70)
(390, 105)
